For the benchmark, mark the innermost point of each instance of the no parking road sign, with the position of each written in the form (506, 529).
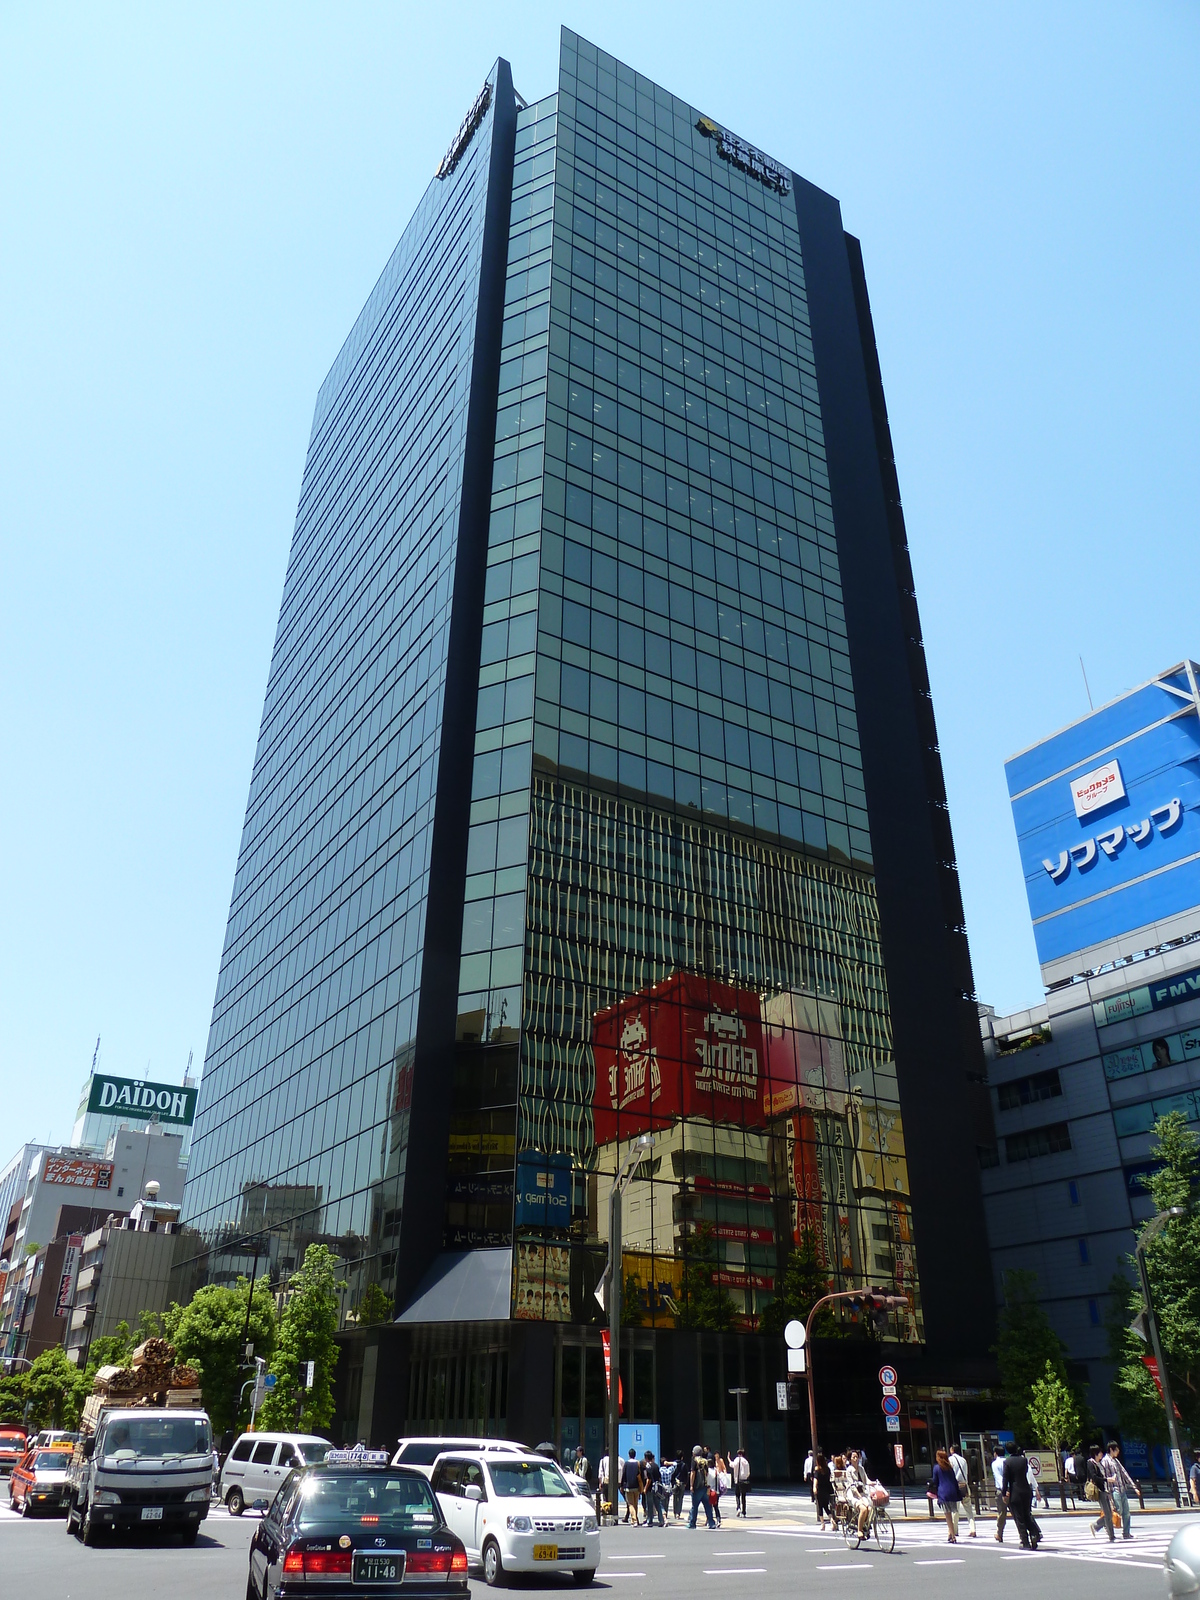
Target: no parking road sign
(891, 1405)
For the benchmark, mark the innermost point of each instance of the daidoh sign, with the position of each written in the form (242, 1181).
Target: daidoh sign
(140, 1101)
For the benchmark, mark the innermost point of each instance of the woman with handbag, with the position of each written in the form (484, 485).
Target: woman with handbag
(1096, 1488)
(944, 1483)
(721, 1482)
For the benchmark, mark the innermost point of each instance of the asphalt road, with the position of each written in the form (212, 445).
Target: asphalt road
(770, 1555)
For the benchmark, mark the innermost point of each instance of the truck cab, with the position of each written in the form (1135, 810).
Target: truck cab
(142, 1467)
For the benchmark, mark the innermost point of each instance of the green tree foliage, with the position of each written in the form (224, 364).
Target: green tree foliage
(55, 1390)
(1054, 1418)
(12, 1397)
(1173, 1267)
(805, 1280)
(306, 1333)
(376, 1306)
(703, 1303)
(1026, 1346)
(209, 1333)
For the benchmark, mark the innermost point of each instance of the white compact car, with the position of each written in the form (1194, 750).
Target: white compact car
(516, 1513)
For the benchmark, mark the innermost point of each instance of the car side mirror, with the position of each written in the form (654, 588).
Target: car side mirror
(89, 1448)
(473, 1492)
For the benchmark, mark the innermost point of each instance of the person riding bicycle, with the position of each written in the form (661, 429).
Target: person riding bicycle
(857, 1486)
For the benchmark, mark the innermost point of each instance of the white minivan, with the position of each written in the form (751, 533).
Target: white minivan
(259, 1462)
(517, 1513)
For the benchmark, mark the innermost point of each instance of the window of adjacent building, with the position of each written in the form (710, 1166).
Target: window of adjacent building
(1084, 1253)
(1033, 1142)
(1028, 1091)
(1073, 1192)
(1093, 1313)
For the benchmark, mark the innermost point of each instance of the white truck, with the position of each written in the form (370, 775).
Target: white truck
(141, 1466)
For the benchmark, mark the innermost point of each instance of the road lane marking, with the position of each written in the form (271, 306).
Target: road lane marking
(620, 1574)
(848, 1566)
(659, 1557)
(942, 1561)
(723, 1553)
(724, 1572)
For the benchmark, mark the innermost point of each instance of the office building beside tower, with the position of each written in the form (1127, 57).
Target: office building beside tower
(598, 794)
(1106, 818)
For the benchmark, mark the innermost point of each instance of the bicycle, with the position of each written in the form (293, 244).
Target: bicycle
(879, 1526)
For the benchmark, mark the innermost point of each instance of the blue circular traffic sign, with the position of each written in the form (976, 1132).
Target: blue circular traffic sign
(891, 1405)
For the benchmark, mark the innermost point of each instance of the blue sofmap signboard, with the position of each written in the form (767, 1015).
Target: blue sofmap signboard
(1107, 814)
(543, 1189)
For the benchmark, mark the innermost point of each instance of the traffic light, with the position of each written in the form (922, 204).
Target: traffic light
(880, 1304)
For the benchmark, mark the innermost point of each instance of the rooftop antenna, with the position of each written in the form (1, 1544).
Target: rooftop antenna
(1083, 669)
(95, 1055)
(187, 1071)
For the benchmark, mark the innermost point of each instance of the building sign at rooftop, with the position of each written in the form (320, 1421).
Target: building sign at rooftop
(745, 157)
(77, 1174)
(141, 1101)
(466, 132)
(1097, 789)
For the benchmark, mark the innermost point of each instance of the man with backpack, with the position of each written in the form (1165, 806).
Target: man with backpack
(699, 1487)
(631, 1484)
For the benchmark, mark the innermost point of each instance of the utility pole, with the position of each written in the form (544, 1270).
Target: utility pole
(741, 1405)
(1154, 1226)
(615, 1276)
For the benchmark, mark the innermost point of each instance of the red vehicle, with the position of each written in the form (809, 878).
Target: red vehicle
(39, 1481)
(14, 1442)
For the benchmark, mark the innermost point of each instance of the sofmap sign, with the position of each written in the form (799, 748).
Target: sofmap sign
(140, 1101)
(543, 1189)
(1106, 819)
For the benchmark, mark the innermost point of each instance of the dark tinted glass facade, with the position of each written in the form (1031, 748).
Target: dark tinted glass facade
(598, 796)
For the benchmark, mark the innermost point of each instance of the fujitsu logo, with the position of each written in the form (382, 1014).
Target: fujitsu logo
(636, 1060)
(726, 1063)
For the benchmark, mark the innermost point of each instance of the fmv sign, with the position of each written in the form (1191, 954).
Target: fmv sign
(141, 1101)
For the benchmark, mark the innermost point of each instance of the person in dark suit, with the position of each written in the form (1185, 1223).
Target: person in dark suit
(1018, 1496)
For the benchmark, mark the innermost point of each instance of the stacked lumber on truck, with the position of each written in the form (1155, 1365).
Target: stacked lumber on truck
(151, 1379)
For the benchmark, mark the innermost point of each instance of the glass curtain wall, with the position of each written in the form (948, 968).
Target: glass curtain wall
(302, 1124)
(671, 923)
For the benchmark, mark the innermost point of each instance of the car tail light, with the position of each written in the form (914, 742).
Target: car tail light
(429, 1561)
(318, 1563)
(458, 1561)
(326, 1563)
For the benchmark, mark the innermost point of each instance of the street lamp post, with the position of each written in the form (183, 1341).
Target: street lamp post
(629, 1166)
(881, 1299)
(741, 1405)
(1154, 1226)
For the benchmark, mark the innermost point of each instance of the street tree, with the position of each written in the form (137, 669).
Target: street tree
(210, 1333)
(1173, 1267)
(54, 1390)
(375, 1307)
(704, 1302)
(1054, 1418)
(306, 1333)
(805, 1280)
(1026, 1346)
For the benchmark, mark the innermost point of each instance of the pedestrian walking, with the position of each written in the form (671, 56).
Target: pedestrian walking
(1018, 1496)
(1194, 1478)
(822, 1489)
(679, 1483)
(1001, 1503)
(631, 1485)
(582, 1464)
(720, 1483)
(1096, 1489)
(740, 1469)
(699, 1486)
(1119, 1486)
(810, 1461)
(652, 1495)
(946, 1488)
(602, 1487)
(958, 1466)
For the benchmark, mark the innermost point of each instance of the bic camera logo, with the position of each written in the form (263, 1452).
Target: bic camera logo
(1095, 791)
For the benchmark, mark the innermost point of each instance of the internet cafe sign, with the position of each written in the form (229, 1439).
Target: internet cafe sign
(141, 1101)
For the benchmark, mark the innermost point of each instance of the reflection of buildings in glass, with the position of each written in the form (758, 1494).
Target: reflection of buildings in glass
(742, 1092)
(483, 1131)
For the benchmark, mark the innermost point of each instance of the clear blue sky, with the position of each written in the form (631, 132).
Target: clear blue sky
(195, 203)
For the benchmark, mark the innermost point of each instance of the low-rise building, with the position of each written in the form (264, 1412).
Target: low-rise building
(125, 1269)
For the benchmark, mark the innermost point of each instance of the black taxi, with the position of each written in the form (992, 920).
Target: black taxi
(355, 1523)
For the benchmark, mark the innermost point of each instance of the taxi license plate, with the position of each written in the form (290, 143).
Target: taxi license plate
(151, 1513)
(545, 1552)
(370, 1568)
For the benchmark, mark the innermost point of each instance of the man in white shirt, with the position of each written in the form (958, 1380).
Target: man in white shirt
(602, 1483)
(739, 1471)
(1001, 1505)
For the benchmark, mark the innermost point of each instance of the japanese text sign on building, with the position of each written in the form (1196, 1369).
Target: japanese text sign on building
(77, 1174)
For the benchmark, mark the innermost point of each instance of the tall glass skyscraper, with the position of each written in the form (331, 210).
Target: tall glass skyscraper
(598, 795)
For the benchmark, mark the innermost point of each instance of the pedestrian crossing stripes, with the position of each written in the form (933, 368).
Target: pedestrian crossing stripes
(1070, 1541)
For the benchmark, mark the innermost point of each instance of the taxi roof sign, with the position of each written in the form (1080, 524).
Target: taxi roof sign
(360, 1456)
